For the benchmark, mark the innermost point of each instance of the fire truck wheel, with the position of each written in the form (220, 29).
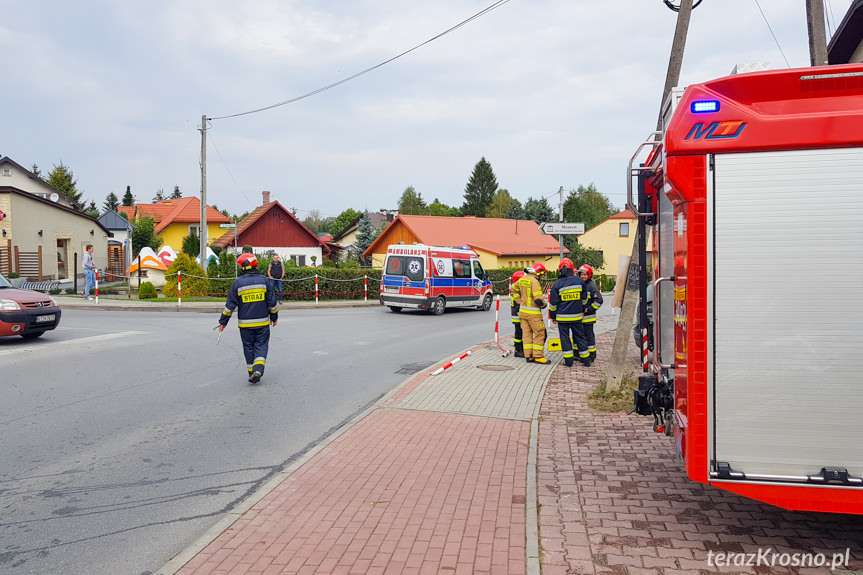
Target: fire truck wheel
(486, 302)
(439, 306)
(395, 308)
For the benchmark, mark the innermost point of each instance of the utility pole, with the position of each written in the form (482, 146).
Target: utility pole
(630, 295)
(203, 231)
(817, 36)
(560, 237)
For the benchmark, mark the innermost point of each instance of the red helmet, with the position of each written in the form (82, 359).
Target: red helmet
(539, 269)
(517, 276)
(586, 269)
(247, 261)
(566, 263)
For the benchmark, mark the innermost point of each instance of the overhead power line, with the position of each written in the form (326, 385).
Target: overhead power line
(772, 34)
(495, 5)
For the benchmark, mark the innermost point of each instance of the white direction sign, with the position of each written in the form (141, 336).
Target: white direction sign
(228, 226)
(561, 228)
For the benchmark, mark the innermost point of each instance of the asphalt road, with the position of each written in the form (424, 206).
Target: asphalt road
(125, 436)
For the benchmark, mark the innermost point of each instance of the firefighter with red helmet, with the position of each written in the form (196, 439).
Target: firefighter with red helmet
(255, 301)
(594, 302)
(531, 302)
(513, 310)
(566, 306)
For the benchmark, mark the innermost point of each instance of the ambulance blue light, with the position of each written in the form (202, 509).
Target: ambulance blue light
(704, 106)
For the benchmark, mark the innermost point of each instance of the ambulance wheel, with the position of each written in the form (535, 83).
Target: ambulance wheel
(486, 302)
(439, 305)
(395, 308)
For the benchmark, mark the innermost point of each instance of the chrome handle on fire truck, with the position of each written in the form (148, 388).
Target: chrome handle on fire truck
(657, 325)
(634, 172)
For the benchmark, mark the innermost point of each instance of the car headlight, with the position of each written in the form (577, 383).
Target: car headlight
(9, 305)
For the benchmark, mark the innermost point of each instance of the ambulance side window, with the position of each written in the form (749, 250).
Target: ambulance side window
(460, 269)
(477, 270)
(395, 266)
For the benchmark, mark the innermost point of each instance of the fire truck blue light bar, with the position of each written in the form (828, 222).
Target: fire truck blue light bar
(704, 106)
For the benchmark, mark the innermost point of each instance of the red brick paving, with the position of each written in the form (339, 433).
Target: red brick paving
(614, 498)
(400, 492)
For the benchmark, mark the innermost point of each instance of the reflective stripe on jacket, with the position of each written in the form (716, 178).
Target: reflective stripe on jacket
(594, 302)
(529, 289)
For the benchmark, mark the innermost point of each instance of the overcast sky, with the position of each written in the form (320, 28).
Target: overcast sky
(551, 92)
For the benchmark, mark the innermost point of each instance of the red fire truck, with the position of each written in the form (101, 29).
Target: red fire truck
(753, 194)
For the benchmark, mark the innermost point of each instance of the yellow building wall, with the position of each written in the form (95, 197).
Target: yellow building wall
(606, 238)
(173, 235)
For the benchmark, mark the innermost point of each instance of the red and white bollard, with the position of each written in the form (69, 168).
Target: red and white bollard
(179, 287)
(96, 272)
(644, 348)
(506, 352)
(450, 364)
(366, 288)
(316, 289)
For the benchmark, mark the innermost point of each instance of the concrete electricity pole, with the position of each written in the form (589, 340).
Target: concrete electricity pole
(630, 295)
(817, 36)
(203, 232)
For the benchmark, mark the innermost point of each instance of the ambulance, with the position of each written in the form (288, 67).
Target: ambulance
(433, 278)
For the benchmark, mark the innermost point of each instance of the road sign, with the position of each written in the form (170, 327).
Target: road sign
(227, 226)
(561, 228)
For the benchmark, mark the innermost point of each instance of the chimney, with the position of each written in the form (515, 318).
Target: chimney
(266, 195)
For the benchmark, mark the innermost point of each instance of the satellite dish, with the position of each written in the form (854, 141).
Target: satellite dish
(55, 197)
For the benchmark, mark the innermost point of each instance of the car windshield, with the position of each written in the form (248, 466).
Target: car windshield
(4, 282)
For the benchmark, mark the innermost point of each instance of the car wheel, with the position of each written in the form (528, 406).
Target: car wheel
(439, 305)
(32, 335)
(486, 302)
(395, 308)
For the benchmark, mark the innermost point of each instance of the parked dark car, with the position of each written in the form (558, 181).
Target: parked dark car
(26, 312)
(636, 331)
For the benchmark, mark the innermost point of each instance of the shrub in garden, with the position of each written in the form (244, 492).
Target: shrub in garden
(55, 291)
(147, 291)
(195, 282)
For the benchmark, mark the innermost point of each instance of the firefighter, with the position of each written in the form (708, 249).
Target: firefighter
(566, 306)
(513, 310)
(594, 302)
(255, 301)
(531, 302)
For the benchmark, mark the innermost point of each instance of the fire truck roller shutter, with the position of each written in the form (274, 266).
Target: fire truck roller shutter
(787, 283)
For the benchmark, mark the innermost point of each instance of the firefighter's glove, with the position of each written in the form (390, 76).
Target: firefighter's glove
(540, 303)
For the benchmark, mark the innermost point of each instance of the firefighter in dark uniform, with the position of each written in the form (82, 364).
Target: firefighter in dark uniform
(566, 306)
(513, 310)
(255, 301)
(594, 302)
(531, 301)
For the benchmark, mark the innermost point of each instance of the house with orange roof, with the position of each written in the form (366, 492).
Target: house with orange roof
(613, 237)
(499, 243)
(270, 228)
(177, 218)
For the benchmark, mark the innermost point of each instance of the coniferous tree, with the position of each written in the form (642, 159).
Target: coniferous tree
(176, 194)
(63, 180)
(538, 210)
(36, 171)
(160, 195)
(516, 212)
(480, 190)
(128, 198)
(366, 234)
(111, 202)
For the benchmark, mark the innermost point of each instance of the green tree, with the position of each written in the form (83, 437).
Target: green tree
(36, 171)
(176, 195)
(581, 255)
(63, 180)
(195, 282)
(315, 222)
(160, 195)
(343, 220)
(366, 234)
(500, 204)
(128, 198)
(411, 203)
(192, 245)
(143, 236)
(111, 202)
(538, 210)
(588, 206)
(92, 210)
(480, 190)
(516, 212)
(436, 208)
